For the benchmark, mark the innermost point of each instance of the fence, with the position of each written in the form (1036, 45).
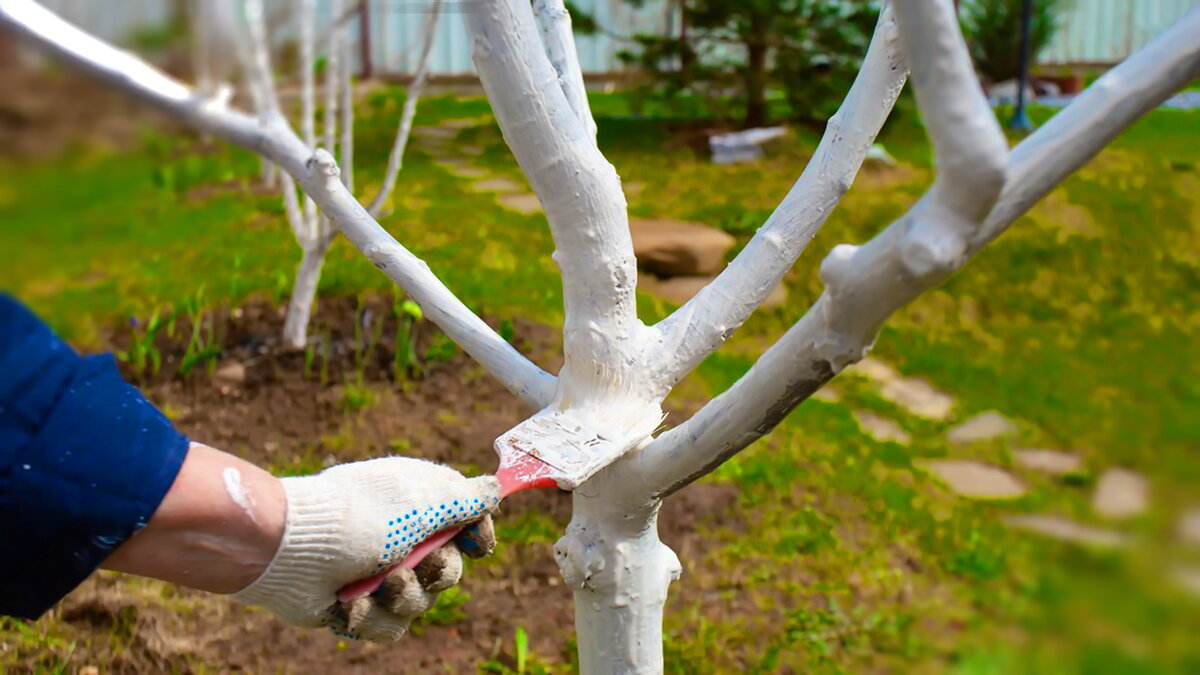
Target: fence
(1093, 31)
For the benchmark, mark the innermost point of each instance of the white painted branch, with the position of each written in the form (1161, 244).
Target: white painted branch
(864, 285)
(1112, 103)
(304, 293)
(581, 194)
(347, 110)
(697, 328)
(308, 112)
(332, 74)
(555, 21)
(258, 69)
(411, 97)
(202, 34)
(316, 172)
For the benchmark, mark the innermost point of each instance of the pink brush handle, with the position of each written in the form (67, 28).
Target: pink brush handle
(524, 473)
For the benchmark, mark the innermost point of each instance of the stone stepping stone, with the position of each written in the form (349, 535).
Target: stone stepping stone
(1189, 527)
(873, 369)
(460, 168)
(464, 122)
(440, 132)
(919, 398)
(681, 289)
(468, 172)
(983, 427)
(525, 202)
(1189, 578)
(496, 185)
(1067, 530)
(828, 394)
(1121, 493)
(1053, 462)
(674, 248)
(975, 479)
(881, 428)
(474, 150)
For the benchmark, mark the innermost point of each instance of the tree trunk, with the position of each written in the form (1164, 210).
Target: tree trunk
(756, 73)
(304, 291)
(619, 570)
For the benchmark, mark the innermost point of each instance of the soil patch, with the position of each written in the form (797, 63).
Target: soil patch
(44, 111)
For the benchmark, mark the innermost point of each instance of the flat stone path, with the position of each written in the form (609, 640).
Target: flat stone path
(881, 428)
(1065, 529)
(983, 427)
(1053, 462)
(1121, 493)
(976, 480)
(919, 398)
(456, 159)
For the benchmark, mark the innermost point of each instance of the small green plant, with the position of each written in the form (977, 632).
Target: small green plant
(142, 351)
(449, 608)
(202, 347)
(367, 333)
(442, 349)
(526, 663)
(356, 396)
(408, 317)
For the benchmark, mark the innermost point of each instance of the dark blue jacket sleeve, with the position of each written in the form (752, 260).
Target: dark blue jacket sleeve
(84, 462)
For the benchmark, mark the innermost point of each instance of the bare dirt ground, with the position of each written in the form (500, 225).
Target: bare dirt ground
(45, 112)
(276, 416)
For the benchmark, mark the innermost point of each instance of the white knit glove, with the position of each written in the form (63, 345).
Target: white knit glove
(353, 521)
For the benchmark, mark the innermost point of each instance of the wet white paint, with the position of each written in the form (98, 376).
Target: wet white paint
(238, 493)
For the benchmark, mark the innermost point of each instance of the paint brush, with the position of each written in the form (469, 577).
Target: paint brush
(554, 448)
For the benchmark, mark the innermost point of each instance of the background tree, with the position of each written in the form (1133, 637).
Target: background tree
(809, 49)
(993, 32)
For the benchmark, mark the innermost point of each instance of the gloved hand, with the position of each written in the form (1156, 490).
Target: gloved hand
(354, 520)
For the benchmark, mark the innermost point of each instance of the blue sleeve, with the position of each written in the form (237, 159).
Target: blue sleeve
(84, 462)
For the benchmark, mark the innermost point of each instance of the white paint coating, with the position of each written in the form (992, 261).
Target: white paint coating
(311, 169)
(697, 328)
(238, 492)
(618, 371)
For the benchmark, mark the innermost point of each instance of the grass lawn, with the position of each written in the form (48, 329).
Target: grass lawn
(1079, 324)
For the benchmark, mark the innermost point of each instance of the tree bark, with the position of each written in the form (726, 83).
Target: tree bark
(756, 73)
(304, 292)
(619, 570)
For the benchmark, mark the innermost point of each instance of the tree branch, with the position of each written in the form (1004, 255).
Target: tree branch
(579, 190)
(865, 284)
(859, 293)
(1112, 103)
(347, 110)
(412, 96)
(555, 22)
(316, 172)
(697, 328)
(308, 108)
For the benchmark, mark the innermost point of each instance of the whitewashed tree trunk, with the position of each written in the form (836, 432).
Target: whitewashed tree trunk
(616, 369)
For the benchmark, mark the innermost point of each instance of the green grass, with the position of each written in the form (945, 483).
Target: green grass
(1080, 323)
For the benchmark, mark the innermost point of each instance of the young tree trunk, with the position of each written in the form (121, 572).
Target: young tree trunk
(612, 558)
(756, 73)
(617, 370)
(304, 293)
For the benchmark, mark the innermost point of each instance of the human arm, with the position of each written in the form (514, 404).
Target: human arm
(91, 473)
(228, 526)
